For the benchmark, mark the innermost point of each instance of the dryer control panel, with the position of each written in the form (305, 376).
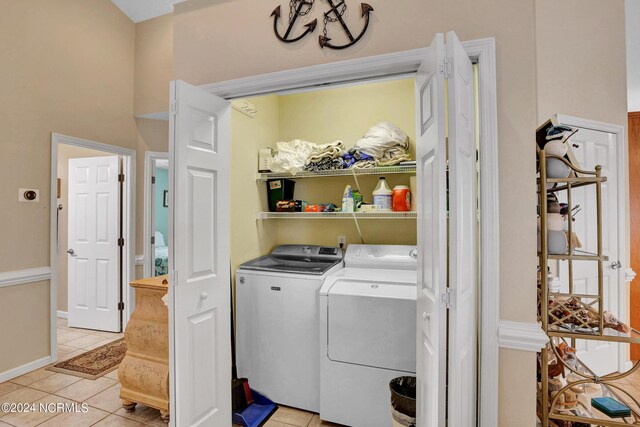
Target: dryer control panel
(396, 257)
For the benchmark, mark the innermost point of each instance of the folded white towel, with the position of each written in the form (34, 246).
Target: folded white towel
(332, 150)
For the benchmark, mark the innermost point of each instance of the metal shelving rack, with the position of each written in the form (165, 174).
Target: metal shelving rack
(382, 170)
(337, 215)
(350, 172)
(570, 326)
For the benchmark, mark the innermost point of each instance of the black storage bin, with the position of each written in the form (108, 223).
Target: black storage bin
(279, 189)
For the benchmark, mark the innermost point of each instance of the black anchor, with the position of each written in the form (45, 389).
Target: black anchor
(366, 11)
(311, 26)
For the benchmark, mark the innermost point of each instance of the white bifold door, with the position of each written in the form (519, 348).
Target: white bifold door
(447, 237)
(93, 252)
(199, 150)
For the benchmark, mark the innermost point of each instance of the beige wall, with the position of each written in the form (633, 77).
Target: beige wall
(24, 313)
(250, 238)
(581, 63)
(67, 67)
(153, 64)
(65, 153)
(153, 72)
(527, 93)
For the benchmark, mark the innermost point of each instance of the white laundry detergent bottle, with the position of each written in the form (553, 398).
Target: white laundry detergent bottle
(347, 200)
(382, 196)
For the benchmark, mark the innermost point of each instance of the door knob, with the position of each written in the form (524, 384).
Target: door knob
(71, 252)
(426, 316)
(204, 295)
(616, 265)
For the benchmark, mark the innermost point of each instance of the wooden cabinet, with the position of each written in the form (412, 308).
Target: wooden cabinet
(144, 371)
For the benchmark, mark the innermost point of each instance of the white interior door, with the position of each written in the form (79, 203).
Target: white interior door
(94, 253)
(463, 252)
(199, 311)
(431, 153)
(596, 148)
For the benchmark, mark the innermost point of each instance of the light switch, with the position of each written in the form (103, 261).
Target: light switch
(31, 195)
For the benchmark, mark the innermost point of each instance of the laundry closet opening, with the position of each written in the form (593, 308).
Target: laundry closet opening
(319, 328)
(325, 339)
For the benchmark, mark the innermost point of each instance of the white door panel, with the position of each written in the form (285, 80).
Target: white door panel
(462, 237)
(94, 228)
(447, 261)
(199, 255)
(431, 152)
(593, 148)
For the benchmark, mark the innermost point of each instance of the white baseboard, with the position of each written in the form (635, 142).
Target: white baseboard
(26, 368)
(63, 314)
(139, 259)
(521, 336)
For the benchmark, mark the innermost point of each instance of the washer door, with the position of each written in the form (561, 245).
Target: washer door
(373, 324)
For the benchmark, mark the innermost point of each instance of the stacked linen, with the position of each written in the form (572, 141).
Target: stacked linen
(357, 160)
(326, 157)
(292, 156)
(386, 143)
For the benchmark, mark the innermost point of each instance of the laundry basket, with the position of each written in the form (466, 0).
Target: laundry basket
(403, 401)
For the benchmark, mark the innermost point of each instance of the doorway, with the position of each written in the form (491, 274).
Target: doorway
(202, 170)
(156, 213)
(91, 242)
(603, 144)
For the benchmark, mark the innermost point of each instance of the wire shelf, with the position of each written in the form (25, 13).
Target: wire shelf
(383, 170)
(337, 215)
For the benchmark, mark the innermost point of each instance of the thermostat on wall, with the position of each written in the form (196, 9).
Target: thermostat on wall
(28, 195)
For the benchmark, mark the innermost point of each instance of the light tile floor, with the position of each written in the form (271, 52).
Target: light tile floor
(101, 395)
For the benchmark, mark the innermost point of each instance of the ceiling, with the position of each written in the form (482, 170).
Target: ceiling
(141, 10)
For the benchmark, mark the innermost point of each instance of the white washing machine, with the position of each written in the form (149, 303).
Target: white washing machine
(367, 333)
(277, 322)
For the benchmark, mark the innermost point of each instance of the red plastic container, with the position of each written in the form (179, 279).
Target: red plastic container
(401, 198)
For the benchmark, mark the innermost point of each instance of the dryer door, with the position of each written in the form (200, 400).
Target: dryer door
(372, 324)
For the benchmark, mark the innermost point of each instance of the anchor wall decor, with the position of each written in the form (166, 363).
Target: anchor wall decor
(298, 8)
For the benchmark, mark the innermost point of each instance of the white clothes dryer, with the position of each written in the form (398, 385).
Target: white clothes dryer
(367, 333)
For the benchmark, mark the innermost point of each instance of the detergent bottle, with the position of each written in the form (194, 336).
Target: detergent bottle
(382, 196)
(348, 204)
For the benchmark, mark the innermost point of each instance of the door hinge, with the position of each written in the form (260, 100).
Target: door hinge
(153, 240)
(174, 108)
(446, 68)
(121, 177)
(120, 306)
(449, 298)
(153, 179)
(120, 241)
